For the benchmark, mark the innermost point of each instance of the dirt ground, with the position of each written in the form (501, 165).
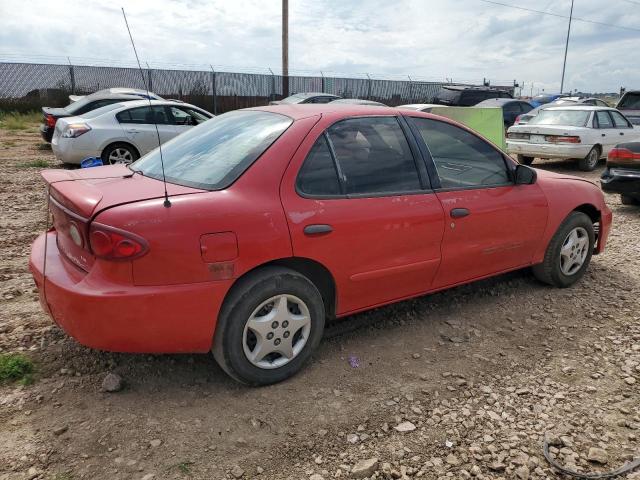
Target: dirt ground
(460, 384)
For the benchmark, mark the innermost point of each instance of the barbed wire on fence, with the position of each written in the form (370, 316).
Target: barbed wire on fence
(33, 85)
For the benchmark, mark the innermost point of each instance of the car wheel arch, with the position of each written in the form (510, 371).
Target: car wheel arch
(590, 210)
(123, 142)
(313, 270)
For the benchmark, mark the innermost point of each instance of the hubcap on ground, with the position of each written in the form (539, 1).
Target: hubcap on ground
(120, 155)
(276, 331)
(574, 251)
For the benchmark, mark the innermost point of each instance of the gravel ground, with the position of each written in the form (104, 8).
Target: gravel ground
(465, 383)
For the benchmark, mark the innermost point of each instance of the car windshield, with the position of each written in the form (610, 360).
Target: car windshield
(75, 106)
(99, 111)
(214, 154)
(297, 98)
(631, 101)
(447, 95)
(570, 118)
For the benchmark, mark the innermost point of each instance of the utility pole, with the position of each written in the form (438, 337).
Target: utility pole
(566, 47)
(285, 48)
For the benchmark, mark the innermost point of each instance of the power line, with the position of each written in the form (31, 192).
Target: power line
(586, 20)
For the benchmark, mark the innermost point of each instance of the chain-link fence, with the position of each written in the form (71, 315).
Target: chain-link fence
(27, 86)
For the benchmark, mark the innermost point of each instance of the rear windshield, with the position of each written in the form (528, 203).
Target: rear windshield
(214, 154)
(570, 118)
(630, 101)
(99, 111)
(447, 95)
(297, 98)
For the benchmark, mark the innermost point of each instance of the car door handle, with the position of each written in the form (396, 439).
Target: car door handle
(604, 134)
(133, 130)
(621, 133)
(459, 212)
(317, 229)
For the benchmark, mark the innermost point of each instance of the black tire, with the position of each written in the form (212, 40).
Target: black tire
(590, 162)
(629, 200)
(238, 307)
(525, 160)
(106, 153)
(549, 271)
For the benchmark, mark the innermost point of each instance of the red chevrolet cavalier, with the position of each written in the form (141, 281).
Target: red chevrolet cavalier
(283, 217)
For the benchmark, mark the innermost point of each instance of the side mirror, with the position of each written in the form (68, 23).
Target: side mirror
(525, 175)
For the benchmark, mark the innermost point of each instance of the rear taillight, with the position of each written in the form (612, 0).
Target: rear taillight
(622, 156)
(517, 119)
(114, 244)
(50, 120)
(561, 139)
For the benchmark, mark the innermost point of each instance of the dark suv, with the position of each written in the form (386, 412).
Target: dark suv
(459, 96)
(629, 104)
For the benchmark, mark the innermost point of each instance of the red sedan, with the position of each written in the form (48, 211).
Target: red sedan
(282, 217)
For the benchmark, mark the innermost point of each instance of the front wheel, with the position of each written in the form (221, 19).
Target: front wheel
(569, 252)
(269, 326)
(590, 162)
(524, 160)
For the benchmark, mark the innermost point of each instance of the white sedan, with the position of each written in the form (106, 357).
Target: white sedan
(585, 133)
(123, 132)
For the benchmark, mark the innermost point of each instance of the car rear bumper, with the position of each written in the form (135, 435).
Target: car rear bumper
(538, 150)
(68, 151)
(621, 180)
(124, 318)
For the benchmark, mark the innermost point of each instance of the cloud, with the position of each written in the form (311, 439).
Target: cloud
(466, 40)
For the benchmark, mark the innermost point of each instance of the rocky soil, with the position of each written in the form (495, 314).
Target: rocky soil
(462, 384)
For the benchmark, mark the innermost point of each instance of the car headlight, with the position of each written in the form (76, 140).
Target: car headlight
(75, 130)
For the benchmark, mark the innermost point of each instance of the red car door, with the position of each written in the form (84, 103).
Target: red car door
(357, 200)
(492, 225)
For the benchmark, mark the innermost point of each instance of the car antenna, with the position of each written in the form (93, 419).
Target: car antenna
(167, 203)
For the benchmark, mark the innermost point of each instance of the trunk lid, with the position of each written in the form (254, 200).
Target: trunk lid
(76, 196)
(536, 133)
(55, 112)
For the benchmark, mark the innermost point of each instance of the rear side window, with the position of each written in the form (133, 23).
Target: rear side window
(619, 121)
(214, 154)
(318, 175)
(462, 159)
(604, 120)
(145, 115)
(374, 156)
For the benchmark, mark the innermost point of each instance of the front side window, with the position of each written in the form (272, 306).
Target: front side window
(619, 121)
(214, 154)
(144, 115)
(318, 175)
(462, 159)
(604, 120)
(187, 116)
(374, 156)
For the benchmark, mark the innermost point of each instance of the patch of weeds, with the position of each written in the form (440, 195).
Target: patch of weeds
(63, 476)
(39, 163)
(19, 121)
(16, 367)
(43, 146)
(184, 467)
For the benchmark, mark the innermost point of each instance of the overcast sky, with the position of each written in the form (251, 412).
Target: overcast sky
(465, 40)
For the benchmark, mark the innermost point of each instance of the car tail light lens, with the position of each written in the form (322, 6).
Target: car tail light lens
(562, 139)
(621, 156)
(75, 130)
(50, 120)
(112, 243)
(518, 119)
(516, 135)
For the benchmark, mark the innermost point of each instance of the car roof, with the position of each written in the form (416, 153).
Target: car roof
(470, 87)
(357, 101)
(145, 103)
(500, 101)
(418, 106)
(312, 94)
(589, 108)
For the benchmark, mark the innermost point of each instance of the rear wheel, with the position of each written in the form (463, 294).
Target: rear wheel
(269, 326)
(629, 200)
(590, 162)
(119, 153)
(569, 252)
(525, 160)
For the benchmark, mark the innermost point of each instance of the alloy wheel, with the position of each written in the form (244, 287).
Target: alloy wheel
(574, 251)
(120, 155)
(276, 332)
